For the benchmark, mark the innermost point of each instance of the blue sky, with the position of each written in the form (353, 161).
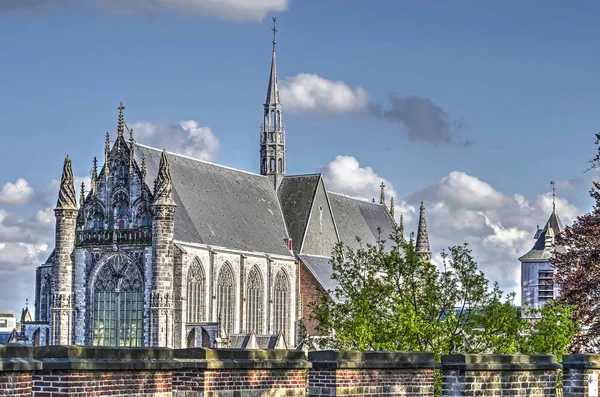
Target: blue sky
(518, 78)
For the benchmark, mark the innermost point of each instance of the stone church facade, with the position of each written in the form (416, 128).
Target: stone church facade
(166, 250)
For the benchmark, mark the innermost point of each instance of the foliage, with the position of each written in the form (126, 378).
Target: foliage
(390, 298)
(578, 269)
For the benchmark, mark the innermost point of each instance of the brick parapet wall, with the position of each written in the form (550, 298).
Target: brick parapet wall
(371, 373)
(234, 372)
(580, 373)
(16, 368)
(506, 374)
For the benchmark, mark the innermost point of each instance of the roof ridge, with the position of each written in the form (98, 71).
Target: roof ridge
(200, 161)
(303, 175)
(357, 199)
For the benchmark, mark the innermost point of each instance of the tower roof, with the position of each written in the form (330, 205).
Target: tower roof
(422, 244)
(540, 252)
(273, 90)
(66, 194)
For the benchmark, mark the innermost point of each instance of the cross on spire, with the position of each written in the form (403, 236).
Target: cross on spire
(274, 30)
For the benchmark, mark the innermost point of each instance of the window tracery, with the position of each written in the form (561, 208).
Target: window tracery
(281, 295)
(196, 292)
(225, 298)
(118, 304)
(254, 287)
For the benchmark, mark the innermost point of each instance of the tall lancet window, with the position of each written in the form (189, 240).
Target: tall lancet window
(281, 305)
(225, 298)
(118, 304)
(254, 287)
(196, 291)
(46, 300)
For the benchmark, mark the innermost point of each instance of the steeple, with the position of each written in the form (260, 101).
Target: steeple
(66, 194)
(422, 244)
(272, 130)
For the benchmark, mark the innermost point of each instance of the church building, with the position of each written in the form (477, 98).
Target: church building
(167, 250)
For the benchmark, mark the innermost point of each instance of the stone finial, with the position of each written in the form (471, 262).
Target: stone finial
(382, 194)
(143, 167)
(163, 190)
(422, 244)
(392, 206)
(82, 195)
(121, 123)
(93, 176)
(66, 194)
(401, 225)
(106, 154)
(131, 149)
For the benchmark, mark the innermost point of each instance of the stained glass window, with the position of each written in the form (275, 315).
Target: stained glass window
(196, 292)
(118, 304)
(225, 298)
(254, 287)
(281, 295)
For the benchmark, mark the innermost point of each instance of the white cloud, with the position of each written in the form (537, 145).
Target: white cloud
(346, 176)
(308, 92)
(254, 10)
(16, 193)
(226, 9)
(186, 137)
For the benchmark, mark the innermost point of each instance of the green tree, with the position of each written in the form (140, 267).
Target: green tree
(391, 299)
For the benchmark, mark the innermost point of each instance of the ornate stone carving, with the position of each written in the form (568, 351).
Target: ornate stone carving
(66, 194)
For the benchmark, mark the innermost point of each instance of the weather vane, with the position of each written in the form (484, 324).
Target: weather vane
(553, 195)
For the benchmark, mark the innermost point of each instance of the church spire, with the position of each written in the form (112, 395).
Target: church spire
(272, 136)
(66, 194)
(422, 244)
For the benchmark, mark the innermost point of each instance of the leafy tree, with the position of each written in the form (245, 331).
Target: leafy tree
(578, 269)
(391, 299)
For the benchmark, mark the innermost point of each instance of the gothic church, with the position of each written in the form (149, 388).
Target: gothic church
(167, 250)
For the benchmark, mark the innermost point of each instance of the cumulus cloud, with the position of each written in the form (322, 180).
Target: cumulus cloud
(186, 137)
(309, 92)
(224, 9)
(18, 192)
(422, 120)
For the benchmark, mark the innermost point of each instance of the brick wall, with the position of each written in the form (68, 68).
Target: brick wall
(232, 372)
(15, 384)
(311, 292)
(371, 373)
(502, 374)
(16, 368)
(580, 375)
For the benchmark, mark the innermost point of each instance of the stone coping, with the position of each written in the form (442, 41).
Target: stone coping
(372, 359)
(581, 361)
(500, 362)
(203, 358)
(17, 358)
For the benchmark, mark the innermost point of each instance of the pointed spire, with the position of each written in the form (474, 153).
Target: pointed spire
(163, 188)
(273, 90)
(82, 195)
(143, 167)
(392, 206)
(422, 245)
(66, 194)
(106, 153)
(401, 225)
(121, 123)
(93, 176)
(382, 194)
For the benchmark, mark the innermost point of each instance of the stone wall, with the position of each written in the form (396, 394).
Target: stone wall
(499, 374)
(371, 373)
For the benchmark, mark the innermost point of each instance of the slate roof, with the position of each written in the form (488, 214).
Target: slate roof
(221, 206)
(539, 252)
(270, 341)
(358, 218)
(322, 269)
(239, 341)
(296, 194)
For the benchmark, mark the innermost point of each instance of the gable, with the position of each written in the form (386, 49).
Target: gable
(296, 195)
(321, 234)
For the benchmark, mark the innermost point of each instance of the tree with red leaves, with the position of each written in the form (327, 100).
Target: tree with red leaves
(578, 270)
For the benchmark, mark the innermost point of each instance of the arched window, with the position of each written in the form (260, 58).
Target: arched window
(118, 304)
(196, 292)
(272, 165)
(254, 288)
(46, 301)
(281, 296)
(280, 166)
(121, 203)
(225, 301)
(95, 216)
